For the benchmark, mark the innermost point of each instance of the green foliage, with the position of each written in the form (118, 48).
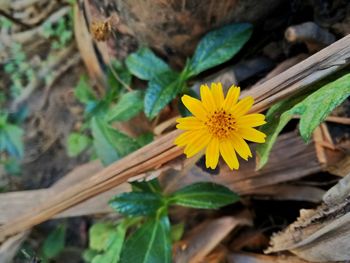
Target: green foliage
(165, 84)
(116, 105)
(109, 143)
(10, 138)
(177, 232)
(18, 69)
(145, 139)
(137, 203)
(60, 33)
(128, 106)
(145, 65)
(77, 143)
(219, 46)
(54, 243)
(106, 241)
(313, 109)
(83, 91)
(204, 195)
(101, 235)
(150, 243)
(161, 91)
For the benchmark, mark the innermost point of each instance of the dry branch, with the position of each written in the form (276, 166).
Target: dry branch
(262, 184)
(163, 150)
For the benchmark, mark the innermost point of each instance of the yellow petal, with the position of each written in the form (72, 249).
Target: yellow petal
(242, 107)
(212, 153)
(207, 98)
(228, 154)
(195, 107)
(252, 135)
(231, 98)
(218, 94)
(251, 120)
(189, 123)
(241, 147)
(185, 138)
(199, 142)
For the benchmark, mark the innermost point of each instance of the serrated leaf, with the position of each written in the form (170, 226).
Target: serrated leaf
(109, 143)
(77, 143)
(129, 105)
(219, 46)
(145, 65)
(204, 195)
(137, 203)
(112, 253)
(161, 91)
(313, 109)
(54, 243)
(149, 244)
(83, 91)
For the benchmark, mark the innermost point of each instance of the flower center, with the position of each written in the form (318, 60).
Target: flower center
(221, 124)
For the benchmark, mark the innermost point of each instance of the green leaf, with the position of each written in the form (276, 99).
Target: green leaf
(313, 109)
(112, 254)
(145, 138)
(149, 244)
(109, 143)
(89, 254)
(204, 195)
(12, 166)
(137, 203)
(117, 76)
(101, 235)
(145, 65)
(54, 243)
(219, 46)
(129, 105)
(77, 143)
(151, 186)
(177, 232)
(316, 107)
(275, 122)
(14, 136)
(161, 91)
(83, 91)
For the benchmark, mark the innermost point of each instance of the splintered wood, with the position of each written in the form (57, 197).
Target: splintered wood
(163, 150)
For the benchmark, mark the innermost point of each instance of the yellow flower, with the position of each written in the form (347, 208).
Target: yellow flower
(219, 125)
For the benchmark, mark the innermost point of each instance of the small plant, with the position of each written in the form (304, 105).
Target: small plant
(60, 33)
(117, 105)
(145, 235)
(164, 84)
(19, 70)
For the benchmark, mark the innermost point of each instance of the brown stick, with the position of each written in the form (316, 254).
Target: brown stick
(163, 150)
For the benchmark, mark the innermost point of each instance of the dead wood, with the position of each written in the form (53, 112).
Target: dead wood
(205, 237)
(311, 34)
(269, 182)
(257, 258)
(322, 234)
(162, 150)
